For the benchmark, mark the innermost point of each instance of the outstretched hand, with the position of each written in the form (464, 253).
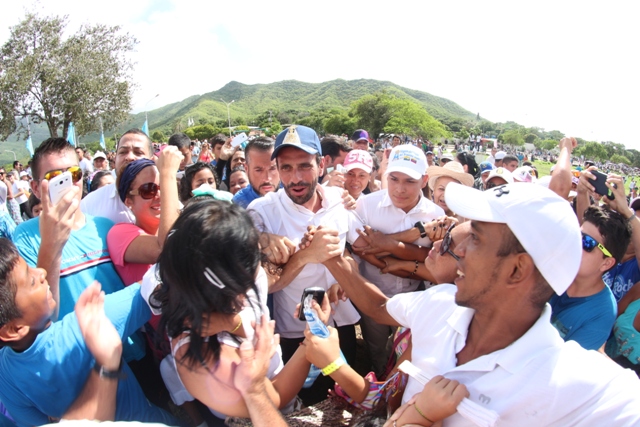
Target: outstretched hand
(101, 337)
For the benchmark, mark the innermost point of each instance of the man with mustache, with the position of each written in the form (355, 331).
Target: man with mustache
(288, 212)
(261, 169)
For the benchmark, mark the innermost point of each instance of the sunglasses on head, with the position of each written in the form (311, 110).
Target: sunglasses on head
(589, 244)
(147, 191)
(76, 173)
(445, 247)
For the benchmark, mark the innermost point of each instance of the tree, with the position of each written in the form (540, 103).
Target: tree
(530, 138)
(373, 112)
(158, 136)
(410, 118)
(617, 158)
(339, 124)
(512, 137)
(45, 78)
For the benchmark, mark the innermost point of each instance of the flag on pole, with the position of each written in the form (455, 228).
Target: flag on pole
(29, 145)
(71, 134)
(145, 127)
(103, 144)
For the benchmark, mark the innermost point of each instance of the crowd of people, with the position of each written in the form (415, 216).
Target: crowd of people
(167, 284)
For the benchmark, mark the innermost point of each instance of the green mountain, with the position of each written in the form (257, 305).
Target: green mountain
(250, 101)
(289, 95)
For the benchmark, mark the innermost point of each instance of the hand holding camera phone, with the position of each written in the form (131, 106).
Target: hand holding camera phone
(600, 184)
(318, 295)
(59, 185)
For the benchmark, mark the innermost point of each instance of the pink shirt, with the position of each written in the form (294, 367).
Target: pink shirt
(118, 240)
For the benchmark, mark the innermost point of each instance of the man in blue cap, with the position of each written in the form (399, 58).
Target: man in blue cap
(288, 212)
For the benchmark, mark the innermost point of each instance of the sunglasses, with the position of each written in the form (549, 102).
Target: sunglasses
(76, 173)
(147, 191)
(445, 247)
(589, 244)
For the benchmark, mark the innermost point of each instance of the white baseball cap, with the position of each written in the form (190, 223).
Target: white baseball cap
(409, 160)
(500, 155)
(501, 173)
(98, 155)
(543, 222)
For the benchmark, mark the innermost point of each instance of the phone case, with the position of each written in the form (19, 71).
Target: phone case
(600, 184)
(58, 186)
(318, 295)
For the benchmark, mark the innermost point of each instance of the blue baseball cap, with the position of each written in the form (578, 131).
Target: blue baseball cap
(486, 167)
(301, 137)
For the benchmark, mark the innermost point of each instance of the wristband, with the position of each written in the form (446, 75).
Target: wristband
(420, 226)
(421, 414)
(110, 375)
(332, 367)
(415, 270)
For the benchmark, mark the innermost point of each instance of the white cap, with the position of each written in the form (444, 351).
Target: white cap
(409, 160)
(98, 155)
(501, 173)
(23, 174)
(500, 155)
(543, 222)
(523, 174)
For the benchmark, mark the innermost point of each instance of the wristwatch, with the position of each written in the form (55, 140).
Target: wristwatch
(420, 226)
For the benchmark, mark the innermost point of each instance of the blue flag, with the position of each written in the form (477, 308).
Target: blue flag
(29, 145)
(145, 127)
(71, 134)
(102, 143)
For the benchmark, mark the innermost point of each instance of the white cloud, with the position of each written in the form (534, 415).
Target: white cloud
(558, 65)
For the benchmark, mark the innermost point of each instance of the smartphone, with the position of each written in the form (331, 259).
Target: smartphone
(239, 139)
(600, 184)
(318, 295)
(59, 185)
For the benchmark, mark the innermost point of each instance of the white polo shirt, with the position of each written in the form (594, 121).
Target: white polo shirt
(378, 211)
(106, 202)
(281, 216)
(539, 380)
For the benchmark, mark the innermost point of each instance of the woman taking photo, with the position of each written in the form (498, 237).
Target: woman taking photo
(134, 247)
(211, 289)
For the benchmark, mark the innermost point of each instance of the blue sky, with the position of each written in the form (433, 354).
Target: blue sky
(563, 65)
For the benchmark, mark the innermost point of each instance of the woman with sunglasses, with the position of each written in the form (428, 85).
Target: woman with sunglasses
(134, 247)
(206, 155)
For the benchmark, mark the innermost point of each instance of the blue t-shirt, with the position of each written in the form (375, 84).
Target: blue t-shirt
(7, 225)
(245, 196)
(622, 277)
(586, 320)
(85, 258)
(45, 379)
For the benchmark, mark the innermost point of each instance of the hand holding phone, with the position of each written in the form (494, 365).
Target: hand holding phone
(59, 185)
(239, 139)
(317, 294)
(600, 184)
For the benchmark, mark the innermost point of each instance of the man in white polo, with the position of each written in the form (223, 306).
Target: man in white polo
(399, 207)
(288, 212)
(492, 330)
(105, 202)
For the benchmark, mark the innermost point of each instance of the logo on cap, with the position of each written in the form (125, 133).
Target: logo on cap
(501, 190)
(292, 137)
(406, 156)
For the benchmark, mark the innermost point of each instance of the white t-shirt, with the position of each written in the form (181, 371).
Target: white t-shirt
(280, 215)
(378, 211)
(3, 196)
(106, 202)
(21, 185)
(539, 380)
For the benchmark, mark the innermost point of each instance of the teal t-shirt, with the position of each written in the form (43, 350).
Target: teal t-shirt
(85, 258)
(586, 320)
